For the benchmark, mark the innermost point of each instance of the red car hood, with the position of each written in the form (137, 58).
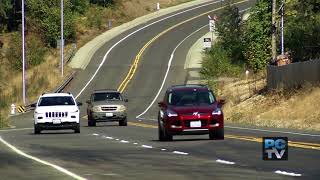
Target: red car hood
(192, 109)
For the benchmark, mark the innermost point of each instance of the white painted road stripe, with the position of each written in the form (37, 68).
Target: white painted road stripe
(146, 146)
(61, 169)
(168, 68)
(179, 152)
(94, 134)
(20, 129)
(108, 52)
(225, 162)
(167, 72)
(124, 141)
(287, 173)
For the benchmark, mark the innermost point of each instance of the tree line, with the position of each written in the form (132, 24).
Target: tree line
(247, 44)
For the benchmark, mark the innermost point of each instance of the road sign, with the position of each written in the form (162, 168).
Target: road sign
(207, 42)
(211, 25)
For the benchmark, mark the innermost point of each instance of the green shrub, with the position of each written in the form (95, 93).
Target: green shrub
(218, 63)
(35, 51)
(95, 17)
(47, 16)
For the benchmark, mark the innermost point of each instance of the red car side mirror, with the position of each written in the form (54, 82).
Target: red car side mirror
(221, 102)
(161, 104)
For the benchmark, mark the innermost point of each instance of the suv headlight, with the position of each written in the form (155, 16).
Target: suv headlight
(171, 113)
(122, 108)
(217, 112)
(96, 108)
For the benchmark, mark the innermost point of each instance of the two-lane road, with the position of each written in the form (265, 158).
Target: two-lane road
(134, 152)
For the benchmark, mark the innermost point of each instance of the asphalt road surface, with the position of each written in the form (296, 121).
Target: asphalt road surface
(134, 152)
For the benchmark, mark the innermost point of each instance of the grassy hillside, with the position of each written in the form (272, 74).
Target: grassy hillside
(84, 20)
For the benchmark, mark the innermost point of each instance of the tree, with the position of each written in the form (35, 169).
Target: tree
(229, 30)
(46, 15)
(257, 36)
(302, 30)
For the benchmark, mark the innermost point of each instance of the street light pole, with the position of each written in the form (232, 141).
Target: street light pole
(61, 42)
(282, 27)
(274, 31)
(23, 58)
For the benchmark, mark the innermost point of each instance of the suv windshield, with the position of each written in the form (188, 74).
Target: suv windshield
(56, 101)
(190, 98)
(110, 96)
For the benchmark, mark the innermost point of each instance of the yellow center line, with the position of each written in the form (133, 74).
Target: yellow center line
(303, 145)
(134, 66)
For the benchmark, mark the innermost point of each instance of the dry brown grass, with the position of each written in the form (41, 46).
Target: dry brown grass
(298, 109)
(46, 77)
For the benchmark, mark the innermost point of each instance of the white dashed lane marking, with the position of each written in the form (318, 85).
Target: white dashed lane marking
(124, 141)
(146, 146)
(225, 162)
(287, 173)
(179, 152)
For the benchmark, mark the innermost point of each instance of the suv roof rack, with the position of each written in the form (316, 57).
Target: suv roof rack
(189, 85)
(101, 90)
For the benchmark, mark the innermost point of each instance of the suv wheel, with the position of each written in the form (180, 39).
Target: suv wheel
(91, 122)
(37, 129)
(123, 122)
(217, 134)
(163, 134)
(77, 128)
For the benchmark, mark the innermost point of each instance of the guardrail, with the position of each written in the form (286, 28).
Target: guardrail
(27, 108)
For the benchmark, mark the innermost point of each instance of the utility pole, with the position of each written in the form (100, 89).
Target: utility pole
(23, 57)
(274, 31)
(61, 42)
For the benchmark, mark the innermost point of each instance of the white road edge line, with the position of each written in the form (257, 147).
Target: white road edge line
(15, 129)
(264, 130)
(167, 72)
(61, 169)
(108, 52)
(168, 68)
(287, 173)
(233, 127)
(225, 162)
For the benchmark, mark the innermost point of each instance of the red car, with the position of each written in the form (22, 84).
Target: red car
(190, 110)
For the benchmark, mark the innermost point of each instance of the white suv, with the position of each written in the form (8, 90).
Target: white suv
(56, 111)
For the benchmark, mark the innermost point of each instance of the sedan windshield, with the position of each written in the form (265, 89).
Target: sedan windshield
(112, 96)
(190, 98)
(56, 101)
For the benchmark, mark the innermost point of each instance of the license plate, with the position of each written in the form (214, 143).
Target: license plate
(109, 114)
(56, 121)
(195, 124)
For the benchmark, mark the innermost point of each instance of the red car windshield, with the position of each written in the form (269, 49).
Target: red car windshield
(191, 98)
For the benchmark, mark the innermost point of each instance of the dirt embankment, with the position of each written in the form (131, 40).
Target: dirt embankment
(248, 103)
